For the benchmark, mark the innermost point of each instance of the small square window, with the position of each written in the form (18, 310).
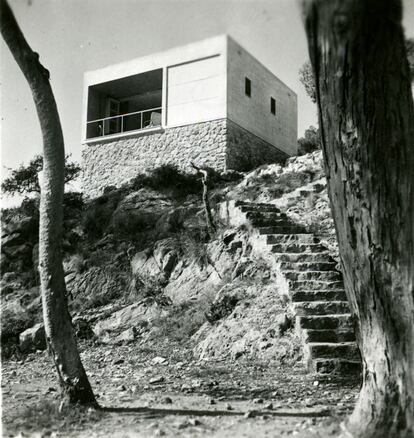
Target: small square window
(273, 105)
(248, 87)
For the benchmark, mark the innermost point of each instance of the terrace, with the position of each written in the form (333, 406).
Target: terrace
(130, 104)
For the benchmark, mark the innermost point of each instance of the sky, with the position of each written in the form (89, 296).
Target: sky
(74, 36)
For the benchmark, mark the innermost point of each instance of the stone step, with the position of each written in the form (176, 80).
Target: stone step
(333, 350)
(257, 215)
(321, 322)
(329, 335)
(281, 230)
(309, 266)
(318, 295)
(309, 308)
(260, 205)
(306, 258)
(336, 366)
(271, 222)
(316, 285)
(283, 248)
(312, 275)
(298, 238)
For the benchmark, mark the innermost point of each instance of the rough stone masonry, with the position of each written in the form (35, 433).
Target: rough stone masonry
(219, 144)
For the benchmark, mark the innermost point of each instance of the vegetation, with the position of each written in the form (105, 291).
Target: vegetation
(310, 142)
(307, 80)
(24, 180)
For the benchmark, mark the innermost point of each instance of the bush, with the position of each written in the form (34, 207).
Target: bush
(168, 176)
(73, 200)
(192, 244)
(25, 178)
(98, 213)
(128, 224)
(310, 142)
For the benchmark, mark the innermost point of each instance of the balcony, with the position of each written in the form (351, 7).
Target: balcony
(125, 105)
(135, 121)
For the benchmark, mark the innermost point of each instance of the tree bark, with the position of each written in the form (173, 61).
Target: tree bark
(58, 326)
(206, 202)
(367, 130)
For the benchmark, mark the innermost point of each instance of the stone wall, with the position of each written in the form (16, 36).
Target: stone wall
(245, 151)
(220, 144)
(113, 163)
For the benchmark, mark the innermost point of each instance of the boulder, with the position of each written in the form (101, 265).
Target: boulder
(157, 263)
(135, 316)
(33, 339)
(106, 281)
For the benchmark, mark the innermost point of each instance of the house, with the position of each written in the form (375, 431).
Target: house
(210, 102)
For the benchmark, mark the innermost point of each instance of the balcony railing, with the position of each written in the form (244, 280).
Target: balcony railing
(136, 121)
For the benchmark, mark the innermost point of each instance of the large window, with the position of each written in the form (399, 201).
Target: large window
(248, 87)
(128, 104)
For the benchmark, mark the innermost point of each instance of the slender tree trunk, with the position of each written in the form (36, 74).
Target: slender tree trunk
(206, 202)
(367, 127)
(58, 326)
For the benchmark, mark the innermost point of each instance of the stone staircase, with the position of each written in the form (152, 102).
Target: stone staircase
(315, 287)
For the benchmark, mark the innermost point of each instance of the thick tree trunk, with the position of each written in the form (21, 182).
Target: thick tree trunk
(58, 326)
(367, 127)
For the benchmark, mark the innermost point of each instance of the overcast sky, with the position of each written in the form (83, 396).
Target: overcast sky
(74, 36)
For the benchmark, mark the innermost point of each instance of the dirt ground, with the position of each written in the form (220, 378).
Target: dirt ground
(148, 394)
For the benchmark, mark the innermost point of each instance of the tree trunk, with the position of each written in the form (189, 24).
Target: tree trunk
(367, 127)
(206, 202)
(58, 326)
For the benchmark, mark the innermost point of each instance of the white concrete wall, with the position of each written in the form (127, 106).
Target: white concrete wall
(204, 81)
(196, 91)
(253, 113)
(186, 54)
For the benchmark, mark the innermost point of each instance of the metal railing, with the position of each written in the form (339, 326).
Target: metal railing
(135, 121)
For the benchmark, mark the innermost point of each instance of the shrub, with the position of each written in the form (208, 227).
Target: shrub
(310, 142)
(192, 244)
(25, 178)
(97, 214)
(73, 200)
(127, 224)
(168, 176)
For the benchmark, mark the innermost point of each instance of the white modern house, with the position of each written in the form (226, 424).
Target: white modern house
(209, 102)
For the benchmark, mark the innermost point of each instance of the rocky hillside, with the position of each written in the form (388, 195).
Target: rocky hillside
(142, 268)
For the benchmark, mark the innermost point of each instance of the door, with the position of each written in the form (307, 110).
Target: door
(112, 126)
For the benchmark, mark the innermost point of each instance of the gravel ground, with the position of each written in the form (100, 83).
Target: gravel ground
(161, 392)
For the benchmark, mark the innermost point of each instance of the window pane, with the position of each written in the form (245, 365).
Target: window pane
(248, 87)
(272, 105)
